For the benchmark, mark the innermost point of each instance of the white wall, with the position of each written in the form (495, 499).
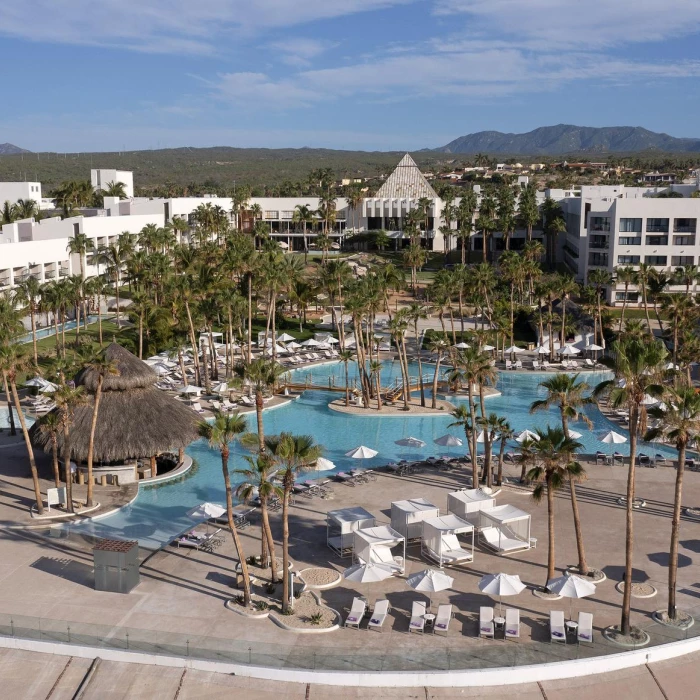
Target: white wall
(100, 177)
(12, 191)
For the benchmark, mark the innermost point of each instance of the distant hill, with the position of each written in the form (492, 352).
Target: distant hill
(565, 138)
(9, 149)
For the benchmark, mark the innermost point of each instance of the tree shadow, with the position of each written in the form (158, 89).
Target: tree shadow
(617, 573)
(75, 571)
(662, 559)
(692, 545)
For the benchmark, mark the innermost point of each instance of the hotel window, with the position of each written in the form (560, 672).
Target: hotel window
(599, 223)
(271, 215)
(627, 240)
(657, 225)
(684, 240)
(656, 259)
(684, 225)
(681, 260)
(628, 260)
(657, 240)
(631, 296)
(287, 215)
(598, 259)
(630, 225)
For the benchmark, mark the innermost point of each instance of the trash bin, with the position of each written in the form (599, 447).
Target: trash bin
(116, 565)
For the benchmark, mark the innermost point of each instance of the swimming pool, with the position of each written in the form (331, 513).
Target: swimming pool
(50, 331)
(159, 512)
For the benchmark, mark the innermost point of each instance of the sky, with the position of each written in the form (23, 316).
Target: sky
(81, 75)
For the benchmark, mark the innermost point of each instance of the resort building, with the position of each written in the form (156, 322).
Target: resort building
(102, 177)
(616, 226)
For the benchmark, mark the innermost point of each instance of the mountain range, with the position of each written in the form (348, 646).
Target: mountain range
(566, 138)
(9, 149)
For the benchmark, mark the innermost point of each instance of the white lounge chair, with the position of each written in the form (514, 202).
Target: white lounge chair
(197, 407)
(247, 401)
(518, 364)
(557, 632)
(589, 362)
(509, 364)
(380, 554)
(417, 623)
(379, 615)
(442, 619)
(512, 623)
(535, 365)
(357, 612)
(545, 364)
(485, 622)
(584, 631)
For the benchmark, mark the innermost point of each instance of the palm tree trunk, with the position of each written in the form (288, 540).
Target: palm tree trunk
(232, 527)
(288, 481)
(117, 295)
(675, 533)
(54, 457)
(195, 349)
(646, 310)
(91, 442)
(629, 523)
(25, 432)
(267, 533)
(582, 565)
(435, 380)
(10, 410)
(250, 317)
(141, 336)
(550, 532)
(259, 418)
(33, 320)
(499, 478)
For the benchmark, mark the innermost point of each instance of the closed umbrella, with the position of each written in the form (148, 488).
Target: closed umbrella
(429, 581)
(500, 585)
(361, 452)
(571, 587)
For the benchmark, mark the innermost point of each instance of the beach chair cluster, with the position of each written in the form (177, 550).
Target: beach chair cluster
(195, 539)
(419, 620)
(355, 476)
(564, 631)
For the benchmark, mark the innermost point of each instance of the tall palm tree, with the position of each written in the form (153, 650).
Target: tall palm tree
(625, 276)
(303, 214)
(101, 368)
(640, 364)
(346, 356)
(220, 433)
(642, 277)
(50, 424)
(294, 453)
(505, 432)
(12, 362)
(570, 396)
(552, 464)
(67, 398)
(438, 346)
(258, 484)
(416, 313)
(261, 375)
(679, 422)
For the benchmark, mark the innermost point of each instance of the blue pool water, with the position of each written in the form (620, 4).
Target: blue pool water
(159, 512)
(49, 330)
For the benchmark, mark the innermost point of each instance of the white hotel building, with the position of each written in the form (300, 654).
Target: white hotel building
(606, 226)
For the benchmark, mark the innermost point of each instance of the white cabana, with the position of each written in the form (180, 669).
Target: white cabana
(342, 524)
(439, 540)
(505, 529)
(468, 504)
(373, 545)
(407, 516)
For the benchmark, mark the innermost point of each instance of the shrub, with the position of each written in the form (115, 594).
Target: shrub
(261, 605)
(316, 618)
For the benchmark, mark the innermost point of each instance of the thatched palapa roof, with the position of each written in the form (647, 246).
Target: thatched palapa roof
(134, 420)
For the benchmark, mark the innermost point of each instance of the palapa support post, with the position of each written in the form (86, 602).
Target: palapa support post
(180, 456)
(154, 466)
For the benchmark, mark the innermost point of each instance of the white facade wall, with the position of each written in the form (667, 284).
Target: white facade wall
(12, 191)
(100, 178)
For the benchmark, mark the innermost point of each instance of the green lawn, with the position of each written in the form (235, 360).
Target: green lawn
(634, 313)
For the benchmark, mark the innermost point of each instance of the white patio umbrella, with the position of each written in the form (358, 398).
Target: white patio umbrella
(311, 343)
(500, 585)
(481, 436)
(568, 350)
(282, 244)
(462, 346)
(206, 510)
(323, 465)
(48, 388)
(527, 435)
(571, 587)
(448, 441)
(332, 340)
(671, 366)
(429, 581)
(221, 388)
(486, 348)
(542, 350)
(512, 349)
(160, 369)
(575, 435)
(409, 442)
(190, 389)
(293, 345)
(35, 381)
(593, 346)
(362, 452)
(367, 573)
(285, 338)
(613, 438)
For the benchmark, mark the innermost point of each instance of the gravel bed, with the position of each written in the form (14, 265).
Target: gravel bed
(304, 608)
(319, 576)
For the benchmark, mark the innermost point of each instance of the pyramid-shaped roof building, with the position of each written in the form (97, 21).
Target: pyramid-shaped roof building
(407, 181)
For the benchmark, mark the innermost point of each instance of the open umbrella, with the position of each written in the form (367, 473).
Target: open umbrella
(613, 438)
(575, 435)
(190, 389)
(285, 338)
(220, 388)
(207, 510)
(48, 388)
(323, 465)
(293, 345)
(310, 343)
(361, 452)
(542, 350)
(282, 244)
(486, 348)
(512, 349)
(527, 435)
(571, 587)
(332, 340)
(448, 441)
(500, 585)
(568, 350)
(367, 573)
(593, 346)
(409, 442)
(35, 381)
(429, 581)
(462, 346)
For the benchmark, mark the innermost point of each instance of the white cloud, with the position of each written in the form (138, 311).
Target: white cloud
(165, 26)
(299, 51)
(578, 22)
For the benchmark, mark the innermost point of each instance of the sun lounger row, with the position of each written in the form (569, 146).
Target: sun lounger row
(440, 622)
(198, 540)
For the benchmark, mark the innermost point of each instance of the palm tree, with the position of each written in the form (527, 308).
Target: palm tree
(465, 418)
(505, 433)
(625, 276)
(114, 256)
(642, 278)
(551, 457)
(570, 396)
(375, 373)
(262, 375)
(12, 362)
(67, 398)
(80, 245)
(639, 363)
(346, 356)
(528, 211)
(224, 430)
(599, 279)
(100, 368)
(114, 189)
(679, 422)
(294, 453)
(418, 312)
(438, 346)
(28, 295)
(303, 214)
(258, 484)
(50, 424)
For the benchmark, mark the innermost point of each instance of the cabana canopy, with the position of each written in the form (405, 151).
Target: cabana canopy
(373, 545)
(505, 529)
(439, 540)
(341, 525)
(468, 503)
(407, 516)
